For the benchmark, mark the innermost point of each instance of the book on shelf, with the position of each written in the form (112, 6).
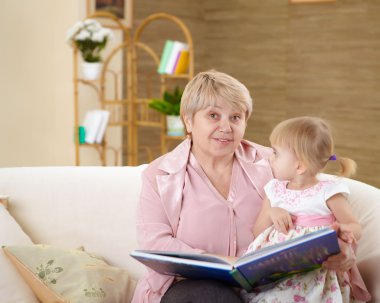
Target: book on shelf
(257, 269)
(171, 55)
(95, 124)
(102, 125)
(174, 56)
(182, 63)
(165, 56)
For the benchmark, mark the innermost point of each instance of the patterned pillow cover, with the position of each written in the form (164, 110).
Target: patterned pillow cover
(62, 275)
(12, 287)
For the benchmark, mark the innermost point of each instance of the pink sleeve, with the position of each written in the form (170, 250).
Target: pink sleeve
(154, 230)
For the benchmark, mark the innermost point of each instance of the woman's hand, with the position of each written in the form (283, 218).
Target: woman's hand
(342, 261)
(282, 220)
(346, 258)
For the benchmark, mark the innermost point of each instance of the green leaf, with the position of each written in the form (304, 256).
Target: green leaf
(50, 262)
(170, 103)
(41, 275)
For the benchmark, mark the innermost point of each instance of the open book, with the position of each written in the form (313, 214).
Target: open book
(256, 269)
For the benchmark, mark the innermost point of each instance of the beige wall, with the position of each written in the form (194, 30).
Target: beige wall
(36, 111)
(308, 59)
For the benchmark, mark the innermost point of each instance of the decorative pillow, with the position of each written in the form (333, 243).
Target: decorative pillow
(13, 287)
(62, 275)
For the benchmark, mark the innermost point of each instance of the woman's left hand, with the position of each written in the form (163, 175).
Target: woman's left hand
(342, 261)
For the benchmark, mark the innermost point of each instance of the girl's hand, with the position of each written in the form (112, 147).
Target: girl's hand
(344, 232)
(281, 219)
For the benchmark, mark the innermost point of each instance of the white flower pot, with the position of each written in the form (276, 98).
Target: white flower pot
(174, 126)
(91, 70)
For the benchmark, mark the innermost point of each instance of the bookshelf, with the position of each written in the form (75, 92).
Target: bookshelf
(117, 90)
(143, 113)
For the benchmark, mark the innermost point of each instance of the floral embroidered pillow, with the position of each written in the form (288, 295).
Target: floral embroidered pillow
(62, 275)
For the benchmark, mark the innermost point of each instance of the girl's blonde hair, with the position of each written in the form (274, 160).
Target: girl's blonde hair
(206, 88)
(310, 138)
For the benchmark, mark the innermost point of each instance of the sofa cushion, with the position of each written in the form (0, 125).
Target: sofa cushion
(62, 275)
(93, 207)
(13, 288)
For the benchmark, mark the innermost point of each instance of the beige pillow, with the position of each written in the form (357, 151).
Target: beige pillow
(61, 275)
(12, 286)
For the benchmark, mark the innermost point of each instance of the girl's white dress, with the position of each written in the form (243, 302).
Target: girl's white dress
(311, 211)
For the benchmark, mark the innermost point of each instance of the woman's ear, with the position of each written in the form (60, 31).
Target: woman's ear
(188, 123)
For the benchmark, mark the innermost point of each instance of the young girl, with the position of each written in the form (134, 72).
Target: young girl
(297, 202)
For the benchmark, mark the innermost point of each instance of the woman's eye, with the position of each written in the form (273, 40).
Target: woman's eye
(213, 116)
(236, 118)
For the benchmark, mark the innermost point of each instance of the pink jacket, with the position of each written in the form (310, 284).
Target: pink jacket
(160, 206)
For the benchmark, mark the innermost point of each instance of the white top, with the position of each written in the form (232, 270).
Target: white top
(309, 201)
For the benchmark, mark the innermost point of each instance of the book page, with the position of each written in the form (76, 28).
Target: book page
(198, 257)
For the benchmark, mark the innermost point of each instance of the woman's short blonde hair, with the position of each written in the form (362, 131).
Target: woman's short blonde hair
(311, 140)
(206, 88)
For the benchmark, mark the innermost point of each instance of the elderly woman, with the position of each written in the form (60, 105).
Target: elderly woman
(205, 195)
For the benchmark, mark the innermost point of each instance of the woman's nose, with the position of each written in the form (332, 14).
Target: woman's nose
(224, 125)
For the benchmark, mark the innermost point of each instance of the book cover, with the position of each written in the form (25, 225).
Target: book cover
(256, 269)
(165, 56)
(174, 55)
(182, 63)
(91, 123)
(105, 115)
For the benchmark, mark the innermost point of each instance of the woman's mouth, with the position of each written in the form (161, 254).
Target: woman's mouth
(223, 140)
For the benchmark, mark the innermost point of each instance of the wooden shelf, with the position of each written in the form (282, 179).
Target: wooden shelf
(165, 78)
(131, 111)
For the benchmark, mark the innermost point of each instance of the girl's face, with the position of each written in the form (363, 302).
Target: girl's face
(216, 130)
(284, 163)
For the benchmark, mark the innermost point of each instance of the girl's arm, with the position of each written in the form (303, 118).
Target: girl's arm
(263, 220)
(350, 228)
(269, 216)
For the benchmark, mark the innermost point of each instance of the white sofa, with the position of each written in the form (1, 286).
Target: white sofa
(95, 207)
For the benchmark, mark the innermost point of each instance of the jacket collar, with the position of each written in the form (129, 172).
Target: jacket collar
(177, 159)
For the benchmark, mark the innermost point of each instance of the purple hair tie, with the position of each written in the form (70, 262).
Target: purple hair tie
(332, 158)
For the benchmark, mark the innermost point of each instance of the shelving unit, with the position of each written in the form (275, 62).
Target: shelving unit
(143, 113)
(119, 93)
(113, 91)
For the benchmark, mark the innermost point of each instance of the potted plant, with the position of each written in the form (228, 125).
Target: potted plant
(90, 38)
(170, 105)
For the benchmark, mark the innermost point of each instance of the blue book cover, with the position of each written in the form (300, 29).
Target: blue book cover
(256, 269)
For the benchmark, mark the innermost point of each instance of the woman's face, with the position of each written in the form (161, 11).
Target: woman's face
(216, 130)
